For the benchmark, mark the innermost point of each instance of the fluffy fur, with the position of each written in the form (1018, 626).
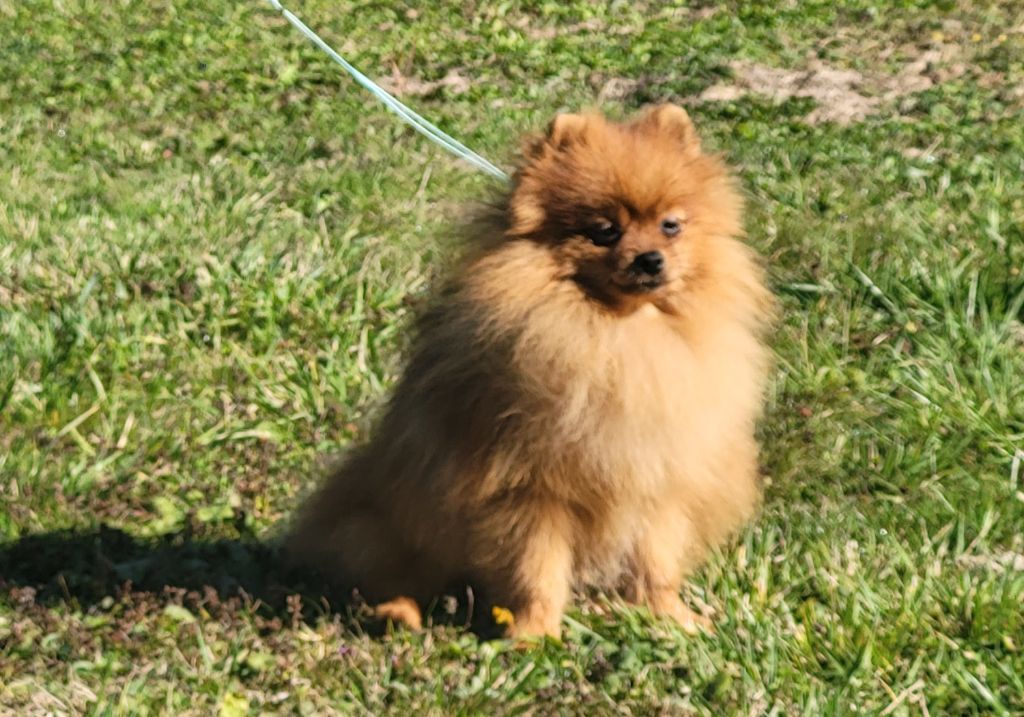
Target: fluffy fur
(565, 419)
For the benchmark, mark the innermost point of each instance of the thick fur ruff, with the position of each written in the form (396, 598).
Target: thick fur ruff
(566, 420)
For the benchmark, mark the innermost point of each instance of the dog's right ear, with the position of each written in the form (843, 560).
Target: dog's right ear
(566, 129)
(563, 131)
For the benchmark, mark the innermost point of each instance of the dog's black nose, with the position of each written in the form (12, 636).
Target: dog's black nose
(650, 262)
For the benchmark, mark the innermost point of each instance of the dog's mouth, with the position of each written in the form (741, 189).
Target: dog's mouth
(620, 285)
(640, 285)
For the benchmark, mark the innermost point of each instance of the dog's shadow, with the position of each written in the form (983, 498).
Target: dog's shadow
(88, 569)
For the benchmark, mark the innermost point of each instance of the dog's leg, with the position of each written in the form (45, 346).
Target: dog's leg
(541, 573)
(659, 566)
(360, 549)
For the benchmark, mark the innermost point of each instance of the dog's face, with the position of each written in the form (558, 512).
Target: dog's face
(625, 208)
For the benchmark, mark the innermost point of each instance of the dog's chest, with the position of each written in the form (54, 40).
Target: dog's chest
(652, 368)
(630, 419)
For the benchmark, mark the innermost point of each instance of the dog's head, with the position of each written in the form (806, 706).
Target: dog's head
(626, 207)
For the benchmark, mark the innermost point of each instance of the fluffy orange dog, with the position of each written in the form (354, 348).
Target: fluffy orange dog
(579, 406)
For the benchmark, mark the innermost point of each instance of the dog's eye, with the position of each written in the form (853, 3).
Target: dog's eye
(604, 233)
(670, 226)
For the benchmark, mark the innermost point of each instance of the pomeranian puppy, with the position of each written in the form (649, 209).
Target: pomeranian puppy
(578, 409)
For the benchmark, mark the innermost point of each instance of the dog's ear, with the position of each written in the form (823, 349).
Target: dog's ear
(672, 120)
(562, 132)
(566, 129)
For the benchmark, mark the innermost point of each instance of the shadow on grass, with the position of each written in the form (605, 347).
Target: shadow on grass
(86, 569)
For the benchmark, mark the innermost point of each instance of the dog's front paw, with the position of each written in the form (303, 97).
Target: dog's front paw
(669, 604)
(401, 610)
(535, 624)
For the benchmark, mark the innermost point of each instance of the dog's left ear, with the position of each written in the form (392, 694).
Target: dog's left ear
(673, 121)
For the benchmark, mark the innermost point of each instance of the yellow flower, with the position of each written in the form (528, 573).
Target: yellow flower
(502, 615)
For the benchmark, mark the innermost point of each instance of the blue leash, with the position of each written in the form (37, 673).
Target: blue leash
(418, 123)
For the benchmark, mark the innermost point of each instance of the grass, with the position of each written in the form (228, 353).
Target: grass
(211, 243)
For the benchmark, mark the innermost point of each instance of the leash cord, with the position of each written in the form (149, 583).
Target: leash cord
(417, 122)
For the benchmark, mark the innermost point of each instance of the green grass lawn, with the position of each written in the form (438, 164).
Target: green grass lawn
(211, 243)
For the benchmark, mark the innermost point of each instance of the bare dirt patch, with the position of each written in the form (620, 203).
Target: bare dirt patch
(591, 25)
(842, 95)
(404, 86)
(617, 89)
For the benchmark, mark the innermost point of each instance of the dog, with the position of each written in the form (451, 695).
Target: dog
(579, 406)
